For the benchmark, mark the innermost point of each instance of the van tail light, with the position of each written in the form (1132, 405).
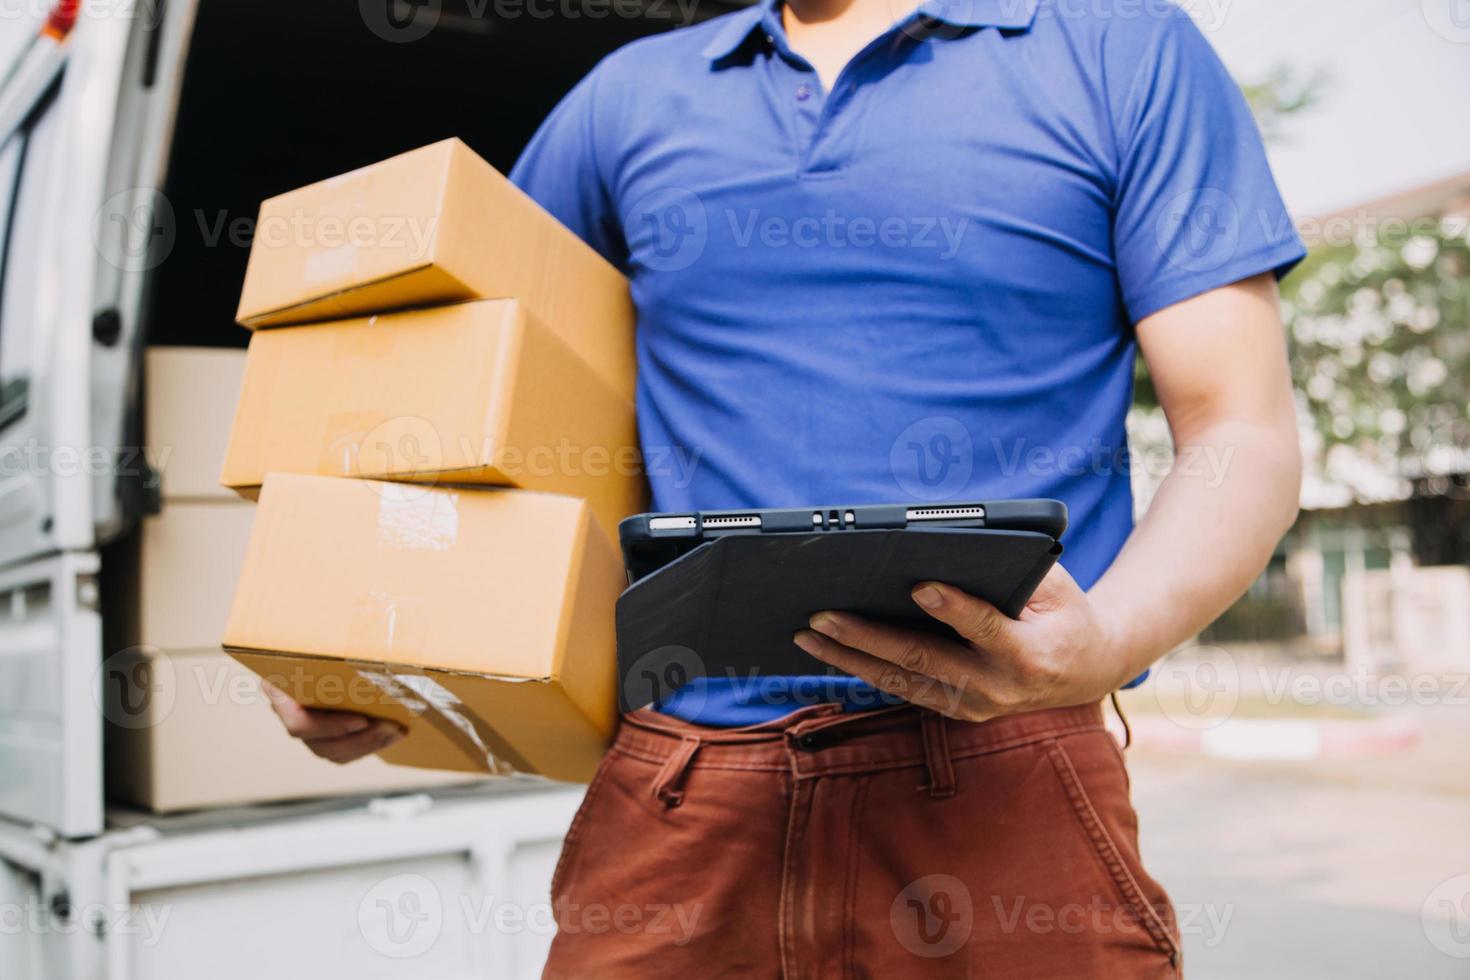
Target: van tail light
(62, 19)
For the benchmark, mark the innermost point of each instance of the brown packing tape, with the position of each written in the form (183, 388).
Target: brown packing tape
(454, 719)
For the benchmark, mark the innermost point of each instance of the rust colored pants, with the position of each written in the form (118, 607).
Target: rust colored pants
(886, 844)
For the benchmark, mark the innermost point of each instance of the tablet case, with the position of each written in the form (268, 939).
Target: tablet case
(729, 607)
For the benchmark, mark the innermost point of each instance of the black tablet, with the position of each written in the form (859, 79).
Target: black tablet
(651, 541)
(720, 593)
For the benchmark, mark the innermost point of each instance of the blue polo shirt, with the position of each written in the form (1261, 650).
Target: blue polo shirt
(920, 285)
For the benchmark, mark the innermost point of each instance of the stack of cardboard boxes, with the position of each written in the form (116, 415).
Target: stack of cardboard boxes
(187, 726)
(437, 419)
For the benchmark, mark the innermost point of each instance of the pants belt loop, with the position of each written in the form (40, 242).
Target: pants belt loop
(936, 754)
(667, 784)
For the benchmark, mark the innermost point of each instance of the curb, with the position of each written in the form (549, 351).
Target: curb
(1275, 740)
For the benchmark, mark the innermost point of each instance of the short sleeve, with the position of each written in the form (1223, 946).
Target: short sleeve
(1197, 207)
(560, 170)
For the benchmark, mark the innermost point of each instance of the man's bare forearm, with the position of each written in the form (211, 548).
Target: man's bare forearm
(1218, 363)
(1209, 532)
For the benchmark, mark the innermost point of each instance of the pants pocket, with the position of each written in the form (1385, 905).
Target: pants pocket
(1126, 878)
(579, 823)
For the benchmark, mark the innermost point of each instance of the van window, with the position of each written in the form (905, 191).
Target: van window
(25, 163)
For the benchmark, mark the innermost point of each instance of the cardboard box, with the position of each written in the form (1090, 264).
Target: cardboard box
(434, 225)
(474, 393)
(171, 583)
(203, 735)
(188, 728)
(481, 620)
(189, 398)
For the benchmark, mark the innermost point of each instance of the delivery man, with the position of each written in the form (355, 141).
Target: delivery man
(883, 255)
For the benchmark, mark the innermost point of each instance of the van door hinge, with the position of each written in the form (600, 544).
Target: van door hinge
(107, 327)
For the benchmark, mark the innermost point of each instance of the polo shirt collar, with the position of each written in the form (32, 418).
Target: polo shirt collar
(1014, 15)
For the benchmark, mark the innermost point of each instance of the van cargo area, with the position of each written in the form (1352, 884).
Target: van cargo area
(140, 768)
(277, 95)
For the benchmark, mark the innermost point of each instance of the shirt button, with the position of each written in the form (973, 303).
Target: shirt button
(803, 92)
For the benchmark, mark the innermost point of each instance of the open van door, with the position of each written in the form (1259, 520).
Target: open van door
(59, 102)
(137, 138)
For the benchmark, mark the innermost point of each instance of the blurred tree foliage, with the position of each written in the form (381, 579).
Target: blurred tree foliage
(1281, 94)
(1378, 326)
(1380, 350)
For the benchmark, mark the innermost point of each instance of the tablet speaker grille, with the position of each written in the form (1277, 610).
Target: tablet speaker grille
(944, 513)
(733, 520)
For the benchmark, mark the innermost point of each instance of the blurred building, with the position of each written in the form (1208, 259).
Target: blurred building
(1376, 571)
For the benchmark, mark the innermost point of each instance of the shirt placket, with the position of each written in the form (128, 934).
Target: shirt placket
(797, 90)
(817, 115)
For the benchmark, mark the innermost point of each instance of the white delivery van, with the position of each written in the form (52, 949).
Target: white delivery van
(453, 886)
(137, 138)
